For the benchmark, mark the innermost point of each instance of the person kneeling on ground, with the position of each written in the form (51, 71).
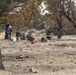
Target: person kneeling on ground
(30, 38)
(43, 39)
(48, 32)
(48, 37)
(23, 37)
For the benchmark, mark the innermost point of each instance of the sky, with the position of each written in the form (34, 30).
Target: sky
(74, 1)
(43, 7)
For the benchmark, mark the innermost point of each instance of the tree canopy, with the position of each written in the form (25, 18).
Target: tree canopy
(29, 13)
(3, 6)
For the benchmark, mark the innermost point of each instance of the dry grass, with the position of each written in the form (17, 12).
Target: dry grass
(5, 73)
(56, 57)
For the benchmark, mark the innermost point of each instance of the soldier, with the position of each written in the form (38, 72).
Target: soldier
(48, 34)
(6, 34)
(30, 38)
(18, 34)
(43, 39)
(23, 37)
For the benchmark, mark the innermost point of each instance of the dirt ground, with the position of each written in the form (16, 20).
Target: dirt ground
(56, 57)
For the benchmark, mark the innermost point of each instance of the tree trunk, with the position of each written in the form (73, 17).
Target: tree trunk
(1, 64)
(60, 31)
(60, 22)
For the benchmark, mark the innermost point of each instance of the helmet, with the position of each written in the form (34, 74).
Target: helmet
(10, 26)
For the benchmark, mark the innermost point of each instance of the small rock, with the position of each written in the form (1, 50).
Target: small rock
(51, 62)
(3, 47)
(27, 57)
(62, 68)
(49, 44)
(19, 57)
(28, 46)
(17, 65)
(75, 62)
(33, 70)
(39, 62)
(54, 70)
(71, 61)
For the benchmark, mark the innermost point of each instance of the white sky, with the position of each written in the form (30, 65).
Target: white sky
(74, 1)
(43, 9)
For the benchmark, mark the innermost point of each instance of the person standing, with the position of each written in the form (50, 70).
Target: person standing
(9, 31)
(18, 34)
(6, 34)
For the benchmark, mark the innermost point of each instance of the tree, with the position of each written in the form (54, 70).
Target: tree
(1, 64)
(16, 19)
(60, 9)
(31, 12)
(55, 9)
(3, 6)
